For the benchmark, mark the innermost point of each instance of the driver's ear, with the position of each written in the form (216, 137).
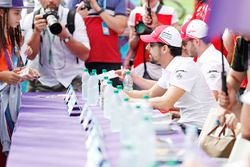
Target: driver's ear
(165, 49)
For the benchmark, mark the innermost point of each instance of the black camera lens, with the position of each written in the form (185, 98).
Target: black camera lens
(87, 4)
(52, 19)
(54, 26)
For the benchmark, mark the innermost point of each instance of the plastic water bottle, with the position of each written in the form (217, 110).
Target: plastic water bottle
(103, 75)
(85, 77)
(122, 95)
(127, 157)
(146, 146)
(191, 141)
(104, 84)
(128, 82)
(135, 119)
(107, 103)
(146, 108)
(93, 90)
(115, 112)
(126, 126)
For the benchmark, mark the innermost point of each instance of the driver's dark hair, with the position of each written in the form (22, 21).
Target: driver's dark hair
(175, 51)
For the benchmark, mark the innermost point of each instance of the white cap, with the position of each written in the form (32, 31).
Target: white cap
(196, 29)
(171, 36)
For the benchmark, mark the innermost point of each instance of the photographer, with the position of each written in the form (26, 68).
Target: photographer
(105, 20)
(58, 54)
(151, 15)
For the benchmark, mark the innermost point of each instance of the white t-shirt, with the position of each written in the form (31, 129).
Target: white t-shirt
(61, 65)
(211, 66)
(197, 100)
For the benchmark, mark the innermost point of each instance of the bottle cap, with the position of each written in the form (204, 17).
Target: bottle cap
(119, 87)
(126, 99)
(104, 70)
(127, 72)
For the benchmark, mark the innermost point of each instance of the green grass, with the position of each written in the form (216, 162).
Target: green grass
(187, 4)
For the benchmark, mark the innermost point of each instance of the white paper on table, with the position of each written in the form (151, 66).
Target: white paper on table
(72, 102)
(87, 119)
(68, 93)
(83, 113)
(111, 74)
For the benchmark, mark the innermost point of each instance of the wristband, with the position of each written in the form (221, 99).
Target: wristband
(100, 11)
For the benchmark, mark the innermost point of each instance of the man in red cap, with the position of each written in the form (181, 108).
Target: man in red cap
(209, 58)
(182, 83)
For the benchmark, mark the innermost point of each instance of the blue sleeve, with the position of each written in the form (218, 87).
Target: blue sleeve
(72, 4)
(120, 8)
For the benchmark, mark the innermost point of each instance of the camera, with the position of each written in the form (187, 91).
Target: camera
(86, 4)
(51, 17)
(142, 29)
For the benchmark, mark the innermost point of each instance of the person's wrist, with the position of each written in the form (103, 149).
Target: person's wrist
(64, 34)
(96, 7)
(37, 31)
(100, 11)
(66, 40)
(154, 25)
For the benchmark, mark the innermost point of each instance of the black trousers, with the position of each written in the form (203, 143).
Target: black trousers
(108, 66)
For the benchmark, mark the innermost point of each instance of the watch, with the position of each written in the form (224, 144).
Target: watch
(67, 39)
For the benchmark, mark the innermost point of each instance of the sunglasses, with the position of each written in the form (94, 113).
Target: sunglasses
(152, 44)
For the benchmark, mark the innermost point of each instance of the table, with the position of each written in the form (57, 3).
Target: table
(45, 135)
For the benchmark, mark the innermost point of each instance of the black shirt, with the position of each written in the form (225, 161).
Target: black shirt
(240, 61)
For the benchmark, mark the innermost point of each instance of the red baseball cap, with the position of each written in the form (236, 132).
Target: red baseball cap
(164, 34)
(154, 36)
(194, 29)
(183, 31)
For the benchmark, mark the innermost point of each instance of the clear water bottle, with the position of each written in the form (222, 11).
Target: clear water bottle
(93, 90)
(191, 141)
(127, 157)
(146, 146)
(104, 73)
(146, 108)
(115, 121)
(85, 77)
(128, 82)
(135, 119)
(107, 103)
(126, 126)
(104, 84)
(122, 95)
